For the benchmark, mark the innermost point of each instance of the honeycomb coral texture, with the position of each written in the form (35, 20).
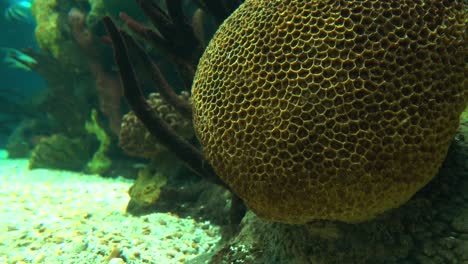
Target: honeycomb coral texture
(137, 141)
(334, 110)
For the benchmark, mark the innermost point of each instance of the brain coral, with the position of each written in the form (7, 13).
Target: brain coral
(334, 110)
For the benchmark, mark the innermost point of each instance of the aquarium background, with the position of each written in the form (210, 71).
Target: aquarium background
(17, 35)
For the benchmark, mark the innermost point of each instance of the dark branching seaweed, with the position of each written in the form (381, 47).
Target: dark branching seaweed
(176, 37)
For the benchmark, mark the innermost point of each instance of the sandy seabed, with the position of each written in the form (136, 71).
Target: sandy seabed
(49, 216)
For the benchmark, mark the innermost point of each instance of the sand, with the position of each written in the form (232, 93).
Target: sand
(49, 216)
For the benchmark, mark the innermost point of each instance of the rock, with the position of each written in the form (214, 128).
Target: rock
(460, 223)
(448, 242)
(428, 248)
(116, 261)
(448, 255)
(462, 250)
(420, 258)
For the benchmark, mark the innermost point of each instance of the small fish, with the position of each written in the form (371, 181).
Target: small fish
(17, 59)
(19, 11)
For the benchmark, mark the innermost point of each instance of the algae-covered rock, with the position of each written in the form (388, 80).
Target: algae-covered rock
(146, 190)
(59, 152)
(17, 149)
(18, 143)
(48, 33)
(53, 33)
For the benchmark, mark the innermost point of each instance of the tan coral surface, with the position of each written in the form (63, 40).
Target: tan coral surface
(334, 110)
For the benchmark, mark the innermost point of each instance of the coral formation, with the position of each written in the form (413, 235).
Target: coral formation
(19, 142)
(180, 41)
(47, 31)
(107, 85)
(53, 33)
(77, 74)
(334, 110)
(431, 228)
(17, 148)
(62, 32)
(176, 38)
(99, 163)
(136, 140)
(69, 97)
(147, 187)
(64, 41)
(59, 152)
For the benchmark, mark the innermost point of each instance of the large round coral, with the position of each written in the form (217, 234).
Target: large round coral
(334, 110)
